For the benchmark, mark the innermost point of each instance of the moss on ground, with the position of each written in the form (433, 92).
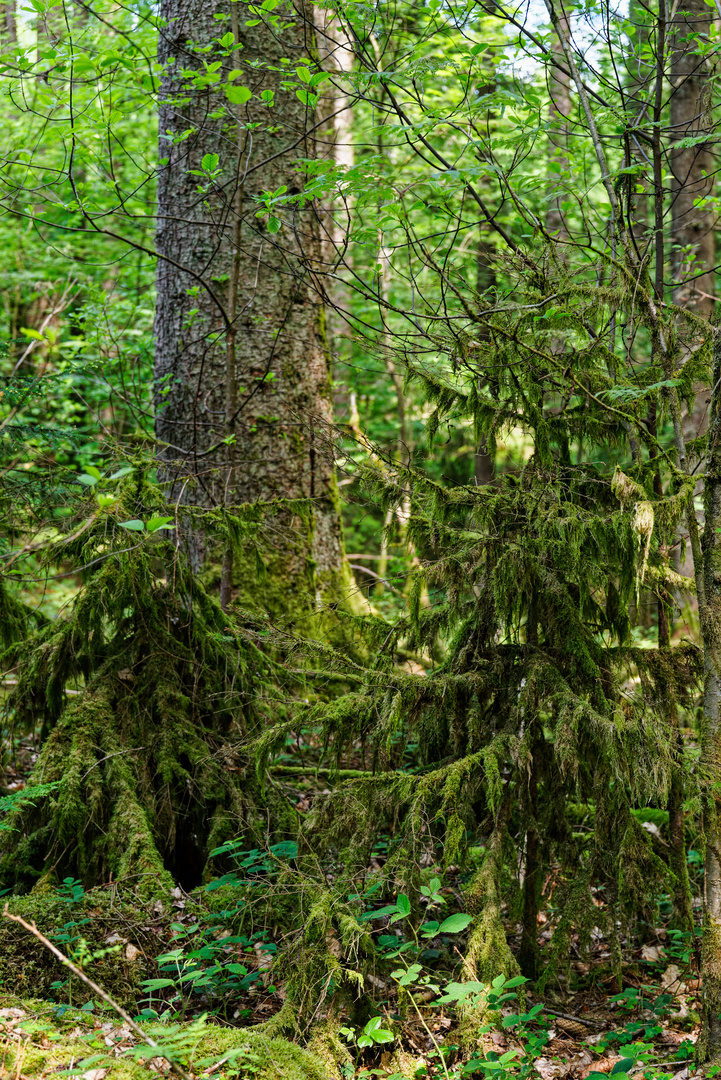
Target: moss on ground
(35, 1043)
(128, 932)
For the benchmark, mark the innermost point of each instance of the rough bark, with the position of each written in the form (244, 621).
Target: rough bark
(710, 612)
(241, 364)
(692, 225)
(559, 110)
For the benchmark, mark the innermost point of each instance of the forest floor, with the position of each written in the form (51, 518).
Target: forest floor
(644, 1025)
(648, 1029)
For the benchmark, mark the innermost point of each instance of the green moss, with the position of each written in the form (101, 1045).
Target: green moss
(48, 1046)
(27, 968)
(162, 678)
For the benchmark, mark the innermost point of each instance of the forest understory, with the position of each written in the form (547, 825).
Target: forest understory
(360, 539)
(209, 996)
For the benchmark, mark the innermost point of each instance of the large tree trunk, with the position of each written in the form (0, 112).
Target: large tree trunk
(241, 364)
(692, 225)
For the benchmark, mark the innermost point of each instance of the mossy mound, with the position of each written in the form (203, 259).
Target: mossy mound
(28, 968)
(38, 1043)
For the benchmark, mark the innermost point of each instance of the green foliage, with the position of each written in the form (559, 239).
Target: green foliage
(23, 796)
(500, 683)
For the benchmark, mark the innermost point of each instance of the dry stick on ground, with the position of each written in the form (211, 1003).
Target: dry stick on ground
(32, 928)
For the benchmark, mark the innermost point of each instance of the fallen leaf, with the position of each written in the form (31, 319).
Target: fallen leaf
(114, 939)
(545, 1069)
(671, 975)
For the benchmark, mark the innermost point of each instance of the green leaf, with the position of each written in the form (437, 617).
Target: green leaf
(460, 991)
(390, 909)
(406, 978)
(622, 1066)
(157, 984)
(135, 525)
(238, 95)
(429, 929)
(382, 1036)
(306, 98)
(87, 481)
(404, 905)
(154, 524)
(517, 980)
(303, 74)
(210, 162)
(455, 923)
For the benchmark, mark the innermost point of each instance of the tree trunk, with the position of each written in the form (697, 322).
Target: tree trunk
(336, 139)
(8, 22)
(709, 1046)
(692, 226)
(559, 111)
(241, 363)
(533, 879)
(484, 468)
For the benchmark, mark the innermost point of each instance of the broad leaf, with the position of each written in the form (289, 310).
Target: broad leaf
(455, 923)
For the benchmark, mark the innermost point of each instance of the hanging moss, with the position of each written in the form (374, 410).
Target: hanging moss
(541, 701)
(146, 752)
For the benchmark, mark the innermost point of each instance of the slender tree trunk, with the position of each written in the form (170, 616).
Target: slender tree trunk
(533, 871)
(336, 142)
(682, 910)
(241, 362)
(532, 882)
(8, 21)
(683, 913)
(559, 111)
(484, 464)
(692, 225)
(709, 1046)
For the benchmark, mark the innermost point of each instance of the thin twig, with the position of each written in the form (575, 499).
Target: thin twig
(576, 1019)
(80, 974)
